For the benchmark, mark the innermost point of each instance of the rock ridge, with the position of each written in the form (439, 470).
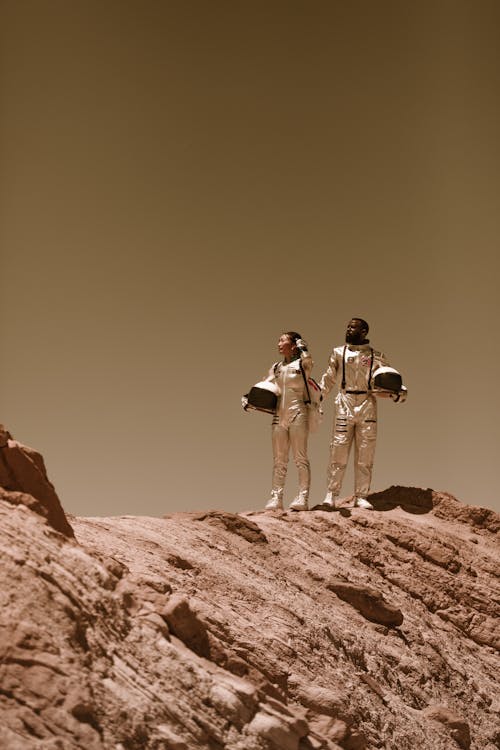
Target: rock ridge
(252, 631)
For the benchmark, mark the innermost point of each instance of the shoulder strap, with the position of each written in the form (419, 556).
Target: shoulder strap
(371, 368)
(343, 367)
(305, 383)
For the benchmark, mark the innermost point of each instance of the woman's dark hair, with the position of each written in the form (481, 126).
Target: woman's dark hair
(293, 336)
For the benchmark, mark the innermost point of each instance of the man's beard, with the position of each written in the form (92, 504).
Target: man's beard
(354, 339)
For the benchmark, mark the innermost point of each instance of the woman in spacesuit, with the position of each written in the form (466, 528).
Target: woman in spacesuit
(290, 426)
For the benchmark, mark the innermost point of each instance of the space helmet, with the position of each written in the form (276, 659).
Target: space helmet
(263, 396)
(386, 379)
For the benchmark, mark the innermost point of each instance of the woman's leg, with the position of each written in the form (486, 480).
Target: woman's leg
(299, 433)
(281, 447)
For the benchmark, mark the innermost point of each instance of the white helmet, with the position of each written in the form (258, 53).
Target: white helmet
(386, 381)
(262, 397)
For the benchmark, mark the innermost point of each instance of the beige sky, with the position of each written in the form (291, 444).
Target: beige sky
(182, 181)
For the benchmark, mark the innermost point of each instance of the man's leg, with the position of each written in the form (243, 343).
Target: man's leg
(365, 442)
(340, 446)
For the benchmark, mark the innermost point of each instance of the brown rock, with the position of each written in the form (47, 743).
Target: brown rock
(277, 728)
(22, 470)
(368, 601)
(447, 506)
(322, 700)
(263, 656)
(233, 523)
(185, 624)
(326, 726)
(459, 728)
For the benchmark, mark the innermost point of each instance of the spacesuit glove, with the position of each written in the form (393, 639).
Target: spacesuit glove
(301, 345)
(400, 397)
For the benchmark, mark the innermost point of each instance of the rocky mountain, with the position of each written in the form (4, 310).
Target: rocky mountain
(258, 631)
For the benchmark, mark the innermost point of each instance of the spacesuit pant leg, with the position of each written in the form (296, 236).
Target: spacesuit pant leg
(365, 439)
(281, 447)
(340, 447)
(299, 433)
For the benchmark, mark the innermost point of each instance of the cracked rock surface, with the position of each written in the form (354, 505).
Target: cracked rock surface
(259, 631)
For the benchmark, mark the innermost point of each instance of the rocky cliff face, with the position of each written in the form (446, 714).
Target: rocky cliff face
(261, 631)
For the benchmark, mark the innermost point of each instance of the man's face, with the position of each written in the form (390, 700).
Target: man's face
(355, 333)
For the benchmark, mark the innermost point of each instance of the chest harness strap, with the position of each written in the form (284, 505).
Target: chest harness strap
(308, 401)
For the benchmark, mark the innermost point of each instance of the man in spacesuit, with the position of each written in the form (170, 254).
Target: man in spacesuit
(352, 366)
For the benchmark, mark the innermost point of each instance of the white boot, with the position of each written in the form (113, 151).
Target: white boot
(330, 500)
(300, 502)
(275, 502)
(362, 502)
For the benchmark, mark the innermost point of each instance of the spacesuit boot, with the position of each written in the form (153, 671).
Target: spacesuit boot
(275, 502)
(301, 501)
(330, 500)
(362, 502)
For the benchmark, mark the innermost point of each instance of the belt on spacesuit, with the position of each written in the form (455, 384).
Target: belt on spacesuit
(356, 393)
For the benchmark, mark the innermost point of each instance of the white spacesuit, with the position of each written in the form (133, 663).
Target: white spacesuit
(355, 417)
(290, 428)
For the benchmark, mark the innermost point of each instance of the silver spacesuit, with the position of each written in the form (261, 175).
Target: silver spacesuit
(290, 428)
(355, 416)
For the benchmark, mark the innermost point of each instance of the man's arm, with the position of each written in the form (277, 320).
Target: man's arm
(380, 360)
(330, 376)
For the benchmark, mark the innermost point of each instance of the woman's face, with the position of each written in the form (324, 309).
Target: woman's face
(285, 346)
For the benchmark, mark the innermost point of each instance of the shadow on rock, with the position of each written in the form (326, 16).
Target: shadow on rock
(369, 602)
(344, 512)
(411, 499)
(232, 522)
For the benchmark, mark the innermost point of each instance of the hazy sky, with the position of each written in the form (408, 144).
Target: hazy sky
(182, 181)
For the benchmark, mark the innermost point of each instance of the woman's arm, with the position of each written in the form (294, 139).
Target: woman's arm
(305, 358)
